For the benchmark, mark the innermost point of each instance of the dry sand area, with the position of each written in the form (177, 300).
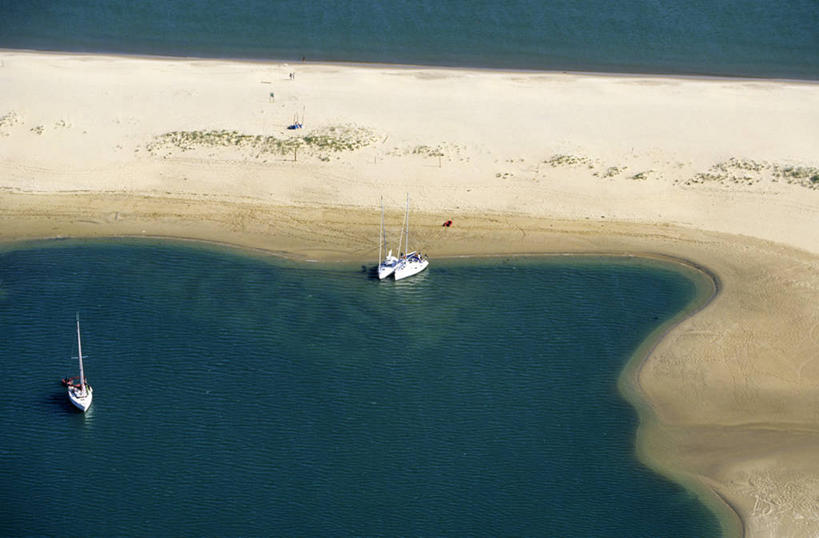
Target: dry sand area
(723, 173)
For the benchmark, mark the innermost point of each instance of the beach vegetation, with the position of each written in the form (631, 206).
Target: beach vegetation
(741, 164)
(612, 171)
(749, 172)
(706, 177)
(333, 139)
(805, 176)
(9, 119)
(566, 160)
(428, 151)
(444, 149)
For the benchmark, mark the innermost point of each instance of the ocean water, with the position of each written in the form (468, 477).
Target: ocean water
(237, 395)
(727, 37)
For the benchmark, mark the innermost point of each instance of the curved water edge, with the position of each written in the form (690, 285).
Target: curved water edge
(707, 286)
(708, 289)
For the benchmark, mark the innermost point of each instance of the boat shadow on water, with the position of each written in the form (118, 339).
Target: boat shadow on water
(58, 400)
(371, 272)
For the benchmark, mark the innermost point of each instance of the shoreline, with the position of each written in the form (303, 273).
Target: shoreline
(628, 381)
(630, 374)
(631, 389)
(715, 172)
(699, 489)
(445, 67)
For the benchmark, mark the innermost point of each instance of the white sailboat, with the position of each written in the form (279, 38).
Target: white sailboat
(80, 393)
(386, 266)
(413, 263)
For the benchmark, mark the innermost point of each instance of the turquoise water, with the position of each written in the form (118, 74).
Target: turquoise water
(726, 37)
(238, 396)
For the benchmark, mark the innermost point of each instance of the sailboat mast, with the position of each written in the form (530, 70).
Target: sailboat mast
(381, 235)
(400, 237)
(79, 352)
(407, 219)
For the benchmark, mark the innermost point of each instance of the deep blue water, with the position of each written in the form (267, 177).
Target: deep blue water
(725, 37)
(238, 396)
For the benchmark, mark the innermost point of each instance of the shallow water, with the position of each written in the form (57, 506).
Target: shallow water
(235, 395)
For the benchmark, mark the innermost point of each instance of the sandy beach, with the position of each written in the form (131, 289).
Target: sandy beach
(722, 173)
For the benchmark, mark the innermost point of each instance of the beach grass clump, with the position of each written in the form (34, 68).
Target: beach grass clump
(611, 171)
(794, 172)
(806, 176)
(334, 139)
(723, 179)
(706, 177)
(444, 149)
(741, 171)
(640, 176)
(38, 129)
(332, 143)
(9, 119)
(749, 172)
(428, 151)
(741, 164)
(566, 160)
(754, 171)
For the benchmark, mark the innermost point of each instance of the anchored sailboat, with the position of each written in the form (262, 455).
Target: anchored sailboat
(413, 263)
(387, 265)
(79, 391)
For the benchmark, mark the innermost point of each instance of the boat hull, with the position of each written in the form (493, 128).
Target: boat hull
(79, 400)
(411, 267)
(387, 267)
(385, 270)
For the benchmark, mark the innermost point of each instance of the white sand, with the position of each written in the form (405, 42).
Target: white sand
(716, 171)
